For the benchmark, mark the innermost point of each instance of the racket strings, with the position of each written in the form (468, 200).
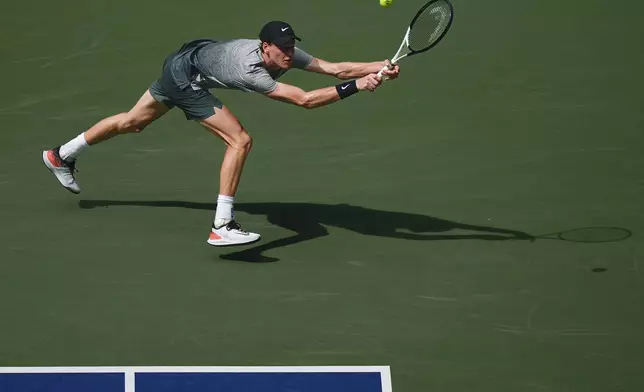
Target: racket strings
(430, 25)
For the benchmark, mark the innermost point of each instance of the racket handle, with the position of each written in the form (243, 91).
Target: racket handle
(385, 67)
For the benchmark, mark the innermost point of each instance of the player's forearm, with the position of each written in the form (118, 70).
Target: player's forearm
(323, 96)
(350, 70)
(320, 97)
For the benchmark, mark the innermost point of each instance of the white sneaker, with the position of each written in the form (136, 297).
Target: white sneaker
(64, 171)
(231, 234)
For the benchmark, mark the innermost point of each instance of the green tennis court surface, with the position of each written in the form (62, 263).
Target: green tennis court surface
(398, 223)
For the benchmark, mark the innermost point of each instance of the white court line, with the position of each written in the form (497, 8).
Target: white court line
(197, 369)
(129, 381)
(385, 378)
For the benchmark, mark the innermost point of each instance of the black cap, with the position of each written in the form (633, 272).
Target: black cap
(278, 33)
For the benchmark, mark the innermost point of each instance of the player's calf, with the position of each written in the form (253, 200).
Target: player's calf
(131, 123)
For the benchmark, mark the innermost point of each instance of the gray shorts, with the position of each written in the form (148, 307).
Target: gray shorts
(196, 104)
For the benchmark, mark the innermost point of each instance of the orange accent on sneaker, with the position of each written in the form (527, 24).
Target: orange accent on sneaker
(214, 236)
(53, 160)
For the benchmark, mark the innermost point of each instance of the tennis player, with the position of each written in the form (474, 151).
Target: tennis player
(251, 65)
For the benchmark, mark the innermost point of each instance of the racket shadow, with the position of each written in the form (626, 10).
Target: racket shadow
(589, 235)
(308, 221)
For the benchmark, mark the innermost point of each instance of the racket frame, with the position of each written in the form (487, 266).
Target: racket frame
(405, 42)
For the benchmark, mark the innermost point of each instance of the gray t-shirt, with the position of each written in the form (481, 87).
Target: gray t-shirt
(237, 64)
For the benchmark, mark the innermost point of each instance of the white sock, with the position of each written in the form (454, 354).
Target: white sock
(70, 150)
(224, 213)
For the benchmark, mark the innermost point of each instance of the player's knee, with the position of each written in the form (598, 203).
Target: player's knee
(243, 141)
(126, 123)
(134, 124)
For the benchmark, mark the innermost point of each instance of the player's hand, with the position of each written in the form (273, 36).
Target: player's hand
(369, 82)
(391, 72)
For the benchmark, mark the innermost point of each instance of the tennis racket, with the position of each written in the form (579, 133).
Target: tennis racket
(427, 28)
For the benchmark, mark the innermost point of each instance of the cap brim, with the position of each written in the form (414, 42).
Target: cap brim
(286, 40)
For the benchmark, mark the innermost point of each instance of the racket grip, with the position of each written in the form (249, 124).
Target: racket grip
(385, 67)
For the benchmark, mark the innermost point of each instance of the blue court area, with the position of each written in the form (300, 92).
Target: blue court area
(260, 382)
(142, 380)
(62, 382)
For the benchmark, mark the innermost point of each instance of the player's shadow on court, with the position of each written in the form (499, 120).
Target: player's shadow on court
(308, 221)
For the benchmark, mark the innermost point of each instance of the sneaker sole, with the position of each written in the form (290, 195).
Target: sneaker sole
(220, 243)
(44, 161)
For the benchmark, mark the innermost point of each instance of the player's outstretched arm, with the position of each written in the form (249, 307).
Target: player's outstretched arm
(323, 96)
(351, 70)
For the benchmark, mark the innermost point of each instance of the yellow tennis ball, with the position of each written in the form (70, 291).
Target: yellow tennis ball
(385, 3)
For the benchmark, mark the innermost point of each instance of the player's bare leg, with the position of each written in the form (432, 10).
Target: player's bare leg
(225, 230)
(61, 161)
(146, 110)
